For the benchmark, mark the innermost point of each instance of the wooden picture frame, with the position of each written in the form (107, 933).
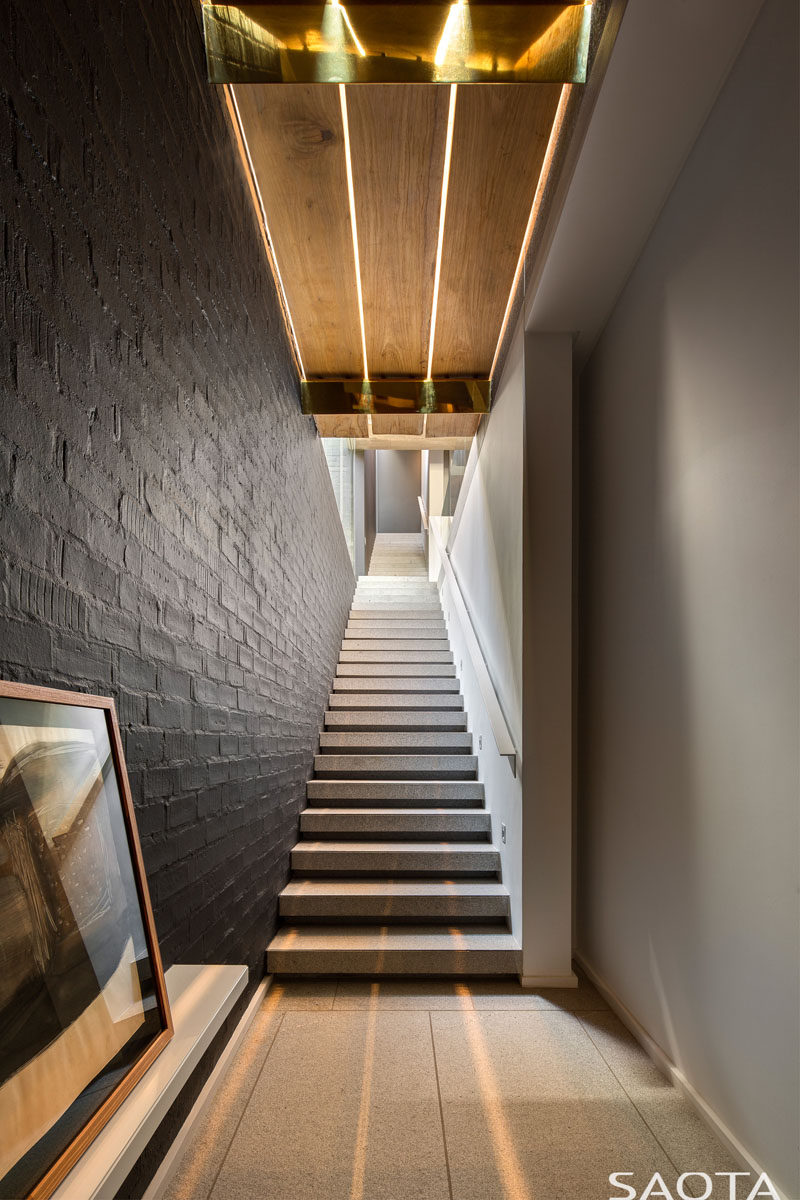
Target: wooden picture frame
(83, 1001)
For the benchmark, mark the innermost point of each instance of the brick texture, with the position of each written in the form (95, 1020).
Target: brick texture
(168, 531)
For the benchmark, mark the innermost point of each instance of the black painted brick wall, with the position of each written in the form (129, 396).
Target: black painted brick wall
(168, 532)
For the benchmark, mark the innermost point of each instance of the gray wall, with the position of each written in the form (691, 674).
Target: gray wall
(168, 532)
(398, 479)
(688, 807)
(370, 510)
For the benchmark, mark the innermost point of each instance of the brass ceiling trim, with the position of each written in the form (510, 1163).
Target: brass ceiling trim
(523, 42)
(395, 396)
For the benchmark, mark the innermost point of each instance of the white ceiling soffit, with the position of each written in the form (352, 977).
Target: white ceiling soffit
(667, 67)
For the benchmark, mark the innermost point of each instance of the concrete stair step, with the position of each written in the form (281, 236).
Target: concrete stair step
(395, 656)
(399, 669)
(409, 597)
(414, 604)
(396, 702)
(370, 721)
(404, 741)
(392, 900)
(406, 793)
(395, 586)
(396, 766)
(391, 683)
(375, 612)
(376, 580)
(386, 642)
(395, 858)
(416, 823)
(396, 629)
(392, 950)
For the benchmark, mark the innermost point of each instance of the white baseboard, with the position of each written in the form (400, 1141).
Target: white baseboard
(665, 1064)
(549, 981)
(158, 1184)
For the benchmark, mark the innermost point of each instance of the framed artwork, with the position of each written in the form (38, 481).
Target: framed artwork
(83, 1004)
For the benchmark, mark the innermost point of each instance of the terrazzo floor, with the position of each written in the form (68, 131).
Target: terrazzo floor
(479, 1090)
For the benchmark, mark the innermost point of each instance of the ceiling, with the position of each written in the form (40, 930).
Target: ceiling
(397, 215)
(397, 135)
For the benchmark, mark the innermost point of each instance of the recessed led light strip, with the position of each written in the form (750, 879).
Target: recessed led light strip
(349, 25)
(448, 150)
(549, 153)
(244, 150)
(352, 199)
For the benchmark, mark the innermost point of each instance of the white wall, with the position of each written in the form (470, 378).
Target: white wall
(397, 483)
(688, 807)
(486, 553)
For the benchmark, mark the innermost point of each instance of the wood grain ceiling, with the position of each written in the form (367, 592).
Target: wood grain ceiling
(397, 132)
(431, 431)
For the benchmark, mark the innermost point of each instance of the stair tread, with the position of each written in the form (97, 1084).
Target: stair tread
(364, 886)
(402, 760)
(391, 683)
(376, 847)
(401, 702)
(393, 812)
(411, 937)
(401, 670)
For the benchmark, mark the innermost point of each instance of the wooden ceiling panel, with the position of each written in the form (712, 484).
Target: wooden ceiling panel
(397, 140)
(448, 425)
(499, 143)
(296, 142)
(343, 425)
(390, 425)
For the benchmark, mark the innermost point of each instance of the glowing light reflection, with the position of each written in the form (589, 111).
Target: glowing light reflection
(349, 25)
(352, 198)
(448, 151)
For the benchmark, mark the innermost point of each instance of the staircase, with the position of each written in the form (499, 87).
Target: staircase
(395, 872)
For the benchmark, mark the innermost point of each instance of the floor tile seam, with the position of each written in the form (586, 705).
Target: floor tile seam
(630, 1098)
(246, 1106)
(441, 1108)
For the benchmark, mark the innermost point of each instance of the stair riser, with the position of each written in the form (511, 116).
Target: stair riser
(415, 635)
(440, 915)
(370, 766)
(382, 683)
(398, 633)
(425, 827)
(410, 595)
(411, 722)
(365, 670)
(394, 703)
(392, 613)
(437, 963)
(355, 802)
(411, 794)
(395, 862)
(384, 742)
(396, 656)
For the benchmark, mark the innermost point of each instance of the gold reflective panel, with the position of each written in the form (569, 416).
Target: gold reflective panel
(397, 42)
(395, 396)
